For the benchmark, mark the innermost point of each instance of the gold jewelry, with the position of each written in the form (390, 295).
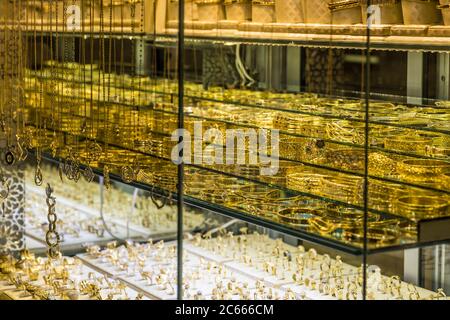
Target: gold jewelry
(423, 170)
(421, 207)
(52, 237)
(297, 216)
(440, 294)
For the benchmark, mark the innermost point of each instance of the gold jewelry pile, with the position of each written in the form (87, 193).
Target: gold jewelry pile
(321, 150)
(62, 278)
(220, 267)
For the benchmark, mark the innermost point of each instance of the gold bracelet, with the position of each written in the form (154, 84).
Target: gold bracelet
(343, 188)
(416, 144)
(421, 207)
(383, 194)
(423, 169)
(309, 182)
(346, 131)
(375, 236)
(322, 226)
(347, 159)
(297, 216)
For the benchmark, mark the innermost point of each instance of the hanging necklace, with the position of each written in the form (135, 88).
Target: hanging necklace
(9, 74)
(54, 84)
(108, 101)
(21, 150)
(38, 179)
(52, 237)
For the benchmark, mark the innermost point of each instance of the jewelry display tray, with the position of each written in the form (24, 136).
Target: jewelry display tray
(15, 294)
(195, 259)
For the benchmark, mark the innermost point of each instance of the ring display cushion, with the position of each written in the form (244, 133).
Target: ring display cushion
(421, 12)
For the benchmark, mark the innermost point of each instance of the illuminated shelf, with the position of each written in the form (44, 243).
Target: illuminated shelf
(354, 115)
(312, 164)
(426, 228)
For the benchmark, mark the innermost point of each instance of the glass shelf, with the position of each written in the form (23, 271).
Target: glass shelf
(407, 130)
(354, 170)
(158, 103)
(274, 104)
(300, 232)
(235, 212)
(354, 114)
(329, 168)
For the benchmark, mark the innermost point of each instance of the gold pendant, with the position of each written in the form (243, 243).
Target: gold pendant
(38, 174)
(88, 174)
(22, 150)
(127, 173)
(9, 157)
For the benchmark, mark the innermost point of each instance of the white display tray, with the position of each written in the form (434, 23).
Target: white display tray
(15, 294)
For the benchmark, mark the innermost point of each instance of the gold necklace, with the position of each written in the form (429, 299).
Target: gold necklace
(52, 237)
(38, 179)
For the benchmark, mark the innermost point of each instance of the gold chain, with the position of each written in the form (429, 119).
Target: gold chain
(52, 237)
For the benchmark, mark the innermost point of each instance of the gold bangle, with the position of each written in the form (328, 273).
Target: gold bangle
(445, 182)
(346, 131)
(302, 149)
(208, 2)
(421, 207)
(297, 216)
(382, 194)
(257, 192)
(347, 159)
(381, 165)
(375, 236)
(407, 143)
(264, 2)
(343, 188)
(268, 207)
(322, 226)
(343, 4)
(306, 181)
(423, 169)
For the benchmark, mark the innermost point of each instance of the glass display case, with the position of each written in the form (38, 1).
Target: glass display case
(284, 149)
